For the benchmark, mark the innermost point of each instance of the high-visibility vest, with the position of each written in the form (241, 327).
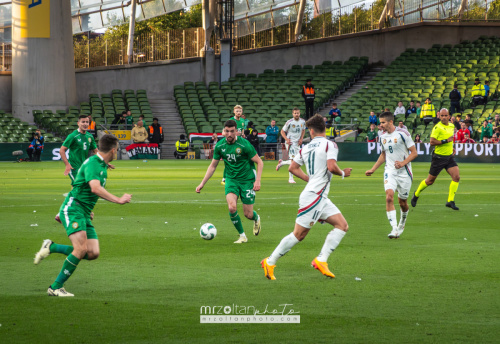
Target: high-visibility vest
(92, 125)
(478, 90)
(309, 92)
(151, 130)
(427, 111)
(330, 132)
(181, 147)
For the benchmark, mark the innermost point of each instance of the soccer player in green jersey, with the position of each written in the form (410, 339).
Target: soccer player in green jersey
(75, 214)
(241, 178)
(241, 124)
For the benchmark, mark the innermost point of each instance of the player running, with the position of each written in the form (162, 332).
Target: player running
(398, 150)
(293, 132)
(320, 160)
(241, 179)
(75, 212)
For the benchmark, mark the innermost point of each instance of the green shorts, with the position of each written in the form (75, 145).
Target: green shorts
(244, 190)
(74, 219)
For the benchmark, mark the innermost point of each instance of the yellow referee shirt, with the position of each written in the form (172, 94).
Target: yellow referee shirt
(443, 132)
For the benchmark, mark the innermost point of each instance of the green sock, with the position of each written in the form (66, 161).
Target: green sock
(69, 266)
(255, 216)
(64, 249)
(453, 190)
(235, 219)
(421, 188)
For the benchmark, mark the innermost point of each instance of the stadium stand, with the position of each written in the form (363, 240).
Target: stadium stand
(14, 130)
(417, 74)
(271, 94)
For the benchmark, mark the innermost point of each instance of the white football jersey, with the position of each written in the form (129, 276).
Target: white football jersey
(396, 146)
(315, 156)
(293, 129)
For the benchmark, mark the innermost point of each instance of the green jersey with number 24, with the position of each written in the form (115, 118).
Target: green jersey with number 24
(237, 158)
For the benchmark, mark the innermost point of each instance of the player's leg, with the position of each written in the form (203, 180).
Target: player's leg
(390, 185)
(247, 195)
(292, 152)
(421, 187)
(232, 200)
(404, 186)
(455, 179)
(93, 250)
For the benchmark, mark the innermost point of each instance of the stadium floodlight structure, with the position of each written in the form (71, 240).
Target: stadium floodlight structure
(225, 24)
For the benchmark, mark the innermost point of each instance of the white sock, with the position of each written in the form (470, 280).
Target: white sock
(290, 176)
(402, 220)
(223, 179)
(391, 215)
(284, 246)
(286, 162)
(243, 235)
(332, 241)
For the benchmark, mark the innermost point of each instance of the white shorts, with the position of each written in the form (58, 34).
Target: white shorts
(293, 150)
(398, 182)
(313, 208)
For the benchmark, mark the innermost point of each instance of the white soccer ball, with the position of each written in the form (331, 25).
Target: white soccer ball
(208, 231)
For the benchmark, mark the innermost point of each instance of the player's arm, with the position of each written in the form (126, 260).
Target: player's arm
(297, 171)
(97, 189)
(68, 168)
(436, 142)
(302, 137)
(335, 169)
(410, 158)
(283, 135)
(208, 174)
(380, 161)
(260, 166)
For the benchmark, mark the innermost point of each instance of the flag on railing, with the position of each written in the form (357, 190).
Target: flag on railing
(143, 151)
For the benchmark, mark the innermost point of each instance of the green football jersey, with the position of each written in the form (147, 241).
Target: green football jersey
(237, 158)
(79, 146)
(241, 124)
(93, 168)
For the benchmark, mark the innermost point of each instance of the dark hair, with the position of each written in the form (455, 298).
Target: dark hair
(455, 86)
(230, 124)
(141, 116)
(316, 122)
(124, 112)
(387, 115)
(107, 143)
(487, 82)
(295, 109)
(334, 104)
(182, 137)
(155, 119)
(249, 124)
(82, 117)
(428, 98)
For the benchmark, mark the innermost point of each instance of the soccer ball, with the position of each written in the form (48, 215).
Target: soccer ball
(208, 231)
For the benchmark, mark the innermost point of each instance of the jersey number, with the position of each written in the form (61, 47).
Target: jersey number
(231, 157)
(85, 146)
(310, 164)
(390, 149)
(250, 193)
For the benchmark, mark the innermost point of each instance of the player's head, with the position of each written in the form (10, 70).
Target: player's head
(401, 124)
(386, 120)
(316, 125)
(83, 122)
(444, 116)
(296, 113)
(230, 131)
(238, 111)
(108, 143)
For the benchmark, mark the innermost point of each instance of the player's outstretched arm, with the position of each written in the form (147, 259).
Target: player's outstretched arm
(68, 168)
(410, 158)
(208, 174)
(283, 135)
(297, 171)
(260, 166)
(335, 169)
(380, 161)
(96, 188)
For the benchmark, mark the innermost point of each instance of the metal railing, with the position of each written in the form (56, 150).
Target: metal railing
(5, 57)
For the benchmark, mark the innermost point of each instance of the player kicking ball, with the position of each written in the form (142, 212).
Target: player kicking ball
(75, 214)
(398, 151)
(320, 160)
(293, 132)
(241, 178)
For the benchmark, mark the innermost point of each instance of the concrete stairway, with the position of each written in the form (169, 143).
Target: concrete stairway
(168, 116)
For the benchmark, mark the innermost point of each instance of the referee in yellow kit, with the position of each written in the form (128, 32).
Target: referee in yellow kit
(442, 158)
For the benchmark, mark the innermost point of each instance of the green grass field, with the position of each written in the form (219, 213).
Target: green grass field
(438, 283)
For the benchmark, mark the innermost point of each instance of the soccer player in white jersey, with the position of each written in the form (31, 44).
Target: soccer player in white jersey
(398, 150)
(320, 160)
(293, 132)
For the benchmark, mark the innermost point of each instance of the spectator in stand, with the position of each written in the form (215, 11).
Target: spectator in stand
(467, 139)
(371, 135)
(437, 119)
(400, 110)
(272, 132)
(213, 140)
(486, 130)
(155, 133)
(467, 118)
(129, 119)
(469, 124)
(486, 90)
(455, 98)
(334, 113)
(35, 148)
(252, 135)
(92, 130)
(373, 119)
(380, 131)
(309, 95)
(402, 125)
(496, 121)
(417, 139)
(411, 109)
(144, 124)
(485, 140)
(181, 147)
(419, 109)
(496, 135)
(139, 133)
(477, 93)
(456, 122)
(428, 112)
(119, 119)
(461, 133)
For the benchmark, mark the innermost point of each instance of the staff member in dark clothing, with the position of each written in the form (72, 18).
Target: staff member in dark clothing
(181, 147)
(455, 98)
(253, 137)
(309, 95)
(155, 132)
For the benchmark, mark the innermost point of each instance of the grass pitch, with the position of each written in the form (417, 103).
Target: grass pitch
(438, 283)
